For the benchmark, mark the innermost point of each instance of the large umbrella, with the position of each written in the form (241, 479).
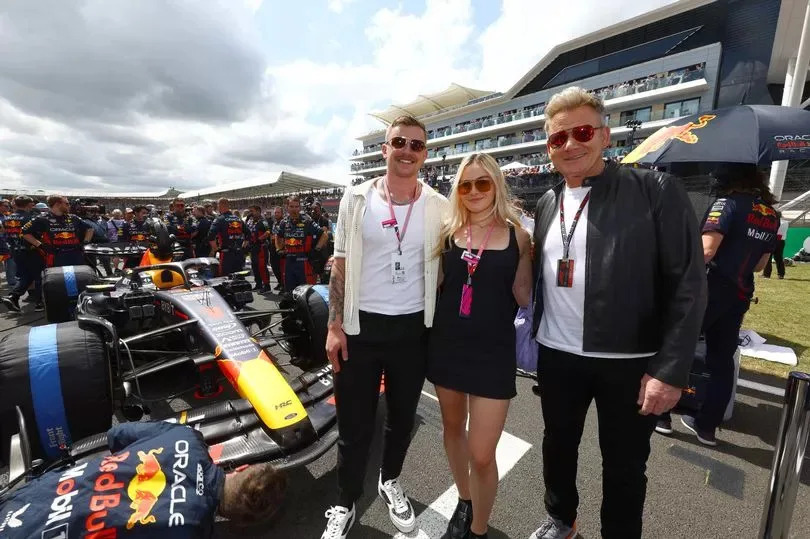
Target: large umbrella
(514, 165)
(757, 134)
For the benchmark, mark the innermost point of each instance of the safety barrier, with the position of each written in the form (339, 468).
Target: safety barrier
(791, 443)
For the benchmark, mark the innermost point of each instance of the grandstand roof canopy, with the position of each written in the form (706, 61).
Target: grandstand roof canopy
(454, 96)
(273, 184)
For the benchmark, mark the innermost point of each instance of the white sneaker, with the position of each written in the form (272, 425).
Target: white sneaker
(340, 522)
(399, 506)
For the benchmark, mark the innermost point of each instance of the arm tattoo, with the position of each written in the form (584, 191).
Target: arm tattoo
(337, 290)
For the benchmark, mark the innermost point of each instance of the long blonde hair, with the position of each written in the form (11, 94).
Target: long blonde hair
(503, 208)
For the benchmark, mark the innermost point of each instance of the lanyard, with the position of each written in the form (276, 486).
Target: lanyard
(474, 260)
(567, 239)
(400, 237)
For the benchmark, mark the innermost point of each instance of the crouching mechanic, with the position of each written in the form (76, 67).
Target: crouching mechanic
(294, 242)
(158, 481)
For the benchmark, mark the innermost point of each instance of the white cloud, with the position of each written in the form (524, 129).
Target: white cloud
(143, 96)
(528, 29)
(337, 6)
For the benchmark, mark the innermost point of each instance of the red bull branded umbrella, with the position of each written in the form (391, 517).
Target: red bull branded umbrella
(755, 134)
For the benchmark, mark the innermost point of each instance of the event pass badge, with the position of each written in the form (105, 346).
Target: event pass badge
(397, 268)
(565, 272)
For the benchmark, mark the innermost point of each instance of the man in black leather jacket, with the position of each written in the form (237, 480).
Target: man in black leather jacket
(619, 296)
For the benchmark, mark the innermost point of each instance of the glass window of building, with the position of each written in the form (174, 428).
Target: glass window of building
(642, 115)
(462, 147)
(682, 108)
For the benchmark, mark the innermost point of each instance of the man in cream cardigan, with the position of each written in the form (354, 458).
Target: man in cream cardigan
(382, 295)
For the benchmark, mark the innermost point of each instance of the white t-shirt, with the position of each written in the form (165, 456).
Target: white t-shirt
(561, 326)
(378, 294)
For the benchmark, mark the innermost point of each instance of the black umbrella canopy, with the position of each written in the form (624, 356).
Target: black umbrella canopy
(756, 134)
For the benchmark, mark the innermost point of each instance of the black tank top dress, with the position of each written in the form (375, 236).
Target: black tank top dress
(476, 355)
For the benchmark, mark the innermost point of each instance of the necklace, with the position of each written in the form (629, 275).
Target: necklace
(405, 202)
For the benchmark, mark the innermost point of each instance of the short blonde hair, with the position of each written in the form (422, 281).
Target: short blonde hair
(570, 99)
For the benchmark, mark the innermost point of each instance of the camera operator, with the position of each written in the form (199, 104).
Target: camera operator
(58, 234)
(26, 258)
(181, 225)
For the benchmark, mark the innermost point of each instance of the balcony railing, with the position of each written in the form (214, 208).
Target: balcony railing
(652, 82)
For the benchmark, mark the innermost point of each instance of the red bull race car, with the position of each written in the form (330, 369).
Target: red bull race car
(166, 342)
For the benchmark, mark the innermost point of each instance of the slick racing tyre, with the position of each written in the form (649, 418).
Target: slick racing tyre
(59, 375)
(311, 305)
(60, 289)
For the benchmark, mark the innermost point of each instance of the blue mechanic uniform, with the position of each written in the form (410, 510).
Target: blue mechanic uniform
(62, 236)
(748, 225)
(229, 231)
(298, 237)
(158, 481)
(135, 232)
(26, 257)
(182, 226)
(258, 231)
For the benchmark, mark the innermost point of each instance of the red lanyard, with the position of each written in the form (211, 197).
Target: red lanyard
(400, 237)
(567, 240)
(474, 260)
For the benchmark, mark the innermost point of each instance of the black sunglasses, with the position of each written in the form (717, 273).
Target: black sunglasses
(400, 142)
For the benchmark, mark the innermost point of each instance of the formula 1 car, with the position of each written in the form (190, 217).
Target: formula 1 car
(166, 341)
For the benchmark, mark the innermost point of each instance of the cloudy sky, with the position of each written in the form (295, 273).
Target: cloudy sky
(137, 96)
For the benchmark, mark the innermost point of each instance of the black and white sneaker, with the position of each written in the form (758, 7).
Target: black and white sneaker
(340, 521)
(12, 303)
(664, 426)
(706, 437)
(400, 510)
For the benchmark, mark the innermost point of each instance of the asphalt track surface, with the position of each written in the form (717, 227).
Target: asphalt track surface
(693, 490)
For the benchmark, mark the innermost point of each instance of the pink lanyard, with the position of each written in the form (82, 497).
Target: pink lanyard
(400, 237)
(474, 260)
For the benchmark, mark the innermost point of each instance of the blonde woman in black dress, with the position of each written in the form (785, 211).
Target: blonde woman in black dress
(486, 274)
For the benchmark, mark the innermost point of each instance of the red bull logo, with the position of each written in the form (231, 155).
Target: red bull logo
(763, 209)
(145, 488)
(63, 235)
(657, 140)
(236, 225)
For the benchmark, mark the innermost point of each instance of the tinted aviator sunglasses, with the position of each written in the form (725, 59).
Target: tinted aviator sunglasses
(482, 186)
(400, 142)
(581, 133)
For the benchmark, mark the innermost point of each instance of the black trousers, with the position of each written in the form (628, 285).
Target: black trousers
(395, 346)
(777, 256)
(29, 270)
(725, 311)
(568, 384)
(275, 264)
(230, 261)
(258, 264)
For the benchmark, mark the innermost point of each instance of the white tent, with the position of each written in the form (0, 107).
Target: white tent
(514, 165)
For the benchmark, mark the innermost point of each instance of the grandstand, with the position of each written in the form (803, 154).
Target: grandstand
(686, 57)
(266, 191)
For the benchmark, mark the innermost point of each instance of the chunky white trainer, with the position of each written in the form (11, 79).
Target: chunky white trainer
(340, 521)
(400, 509)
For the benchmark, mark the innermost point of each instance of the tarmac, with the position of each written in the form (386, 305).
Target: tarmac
(693, 490)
